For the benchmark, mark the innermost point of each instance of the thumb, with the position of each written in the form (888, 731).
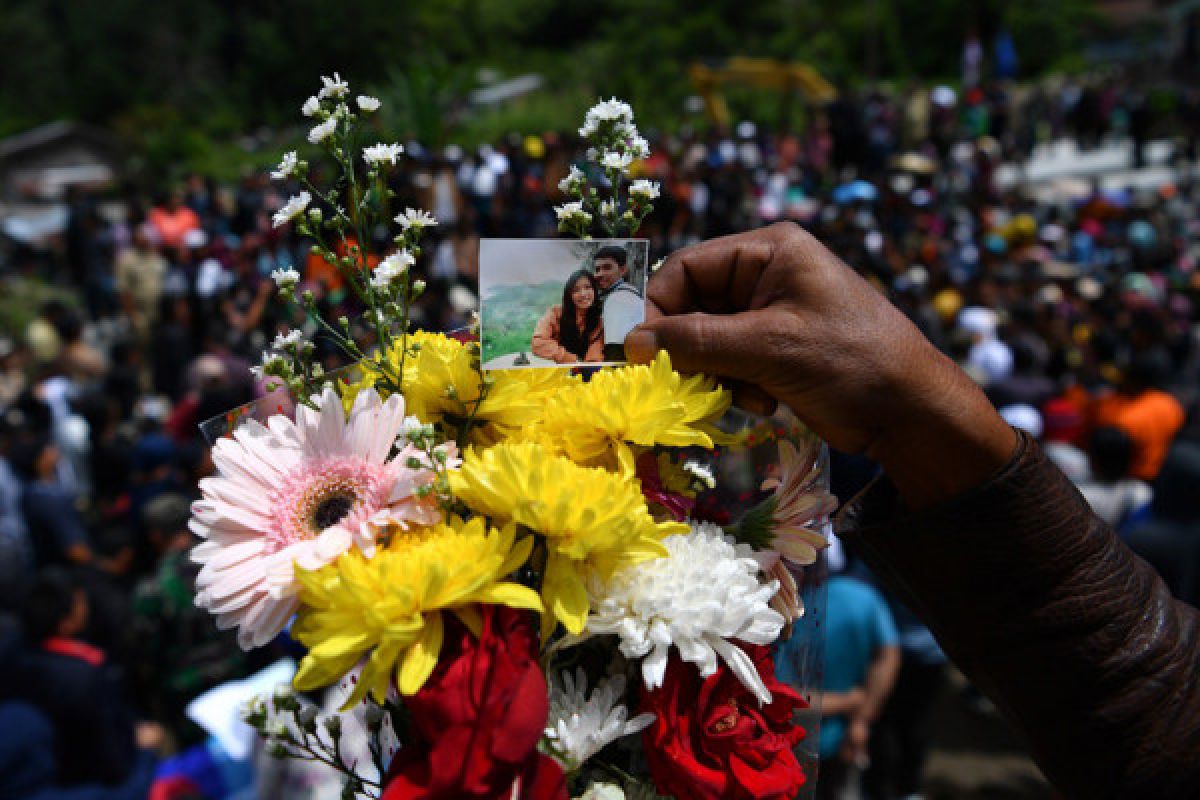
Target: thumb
(724, 345)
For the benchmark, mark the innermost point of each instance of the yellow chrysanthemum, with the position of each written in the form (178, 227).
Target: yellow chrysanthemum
(440, 381)
(592, 519)
(595, 422)
(391, 605)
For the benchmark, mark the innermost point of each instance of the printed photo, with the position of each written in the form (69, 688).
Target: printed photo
(554, 302)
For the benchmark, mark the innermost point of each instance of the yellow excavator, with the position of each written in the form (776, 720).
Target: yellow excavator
(763, 73)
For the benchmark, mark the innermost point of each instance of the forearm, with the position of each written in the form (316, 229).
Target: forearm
(834, 704)
(1077, 641)
(881, 677)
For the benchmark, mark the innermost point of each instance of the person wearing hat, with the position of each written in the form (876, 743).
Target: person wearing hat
(1078, 642)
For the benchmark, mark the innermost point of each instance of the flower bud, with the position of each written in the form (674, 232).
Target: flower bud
(306, 718)
(333, 724)
(315, 215)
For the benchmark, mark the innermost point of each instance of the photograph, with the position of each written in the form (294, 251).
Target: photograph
(550, 302)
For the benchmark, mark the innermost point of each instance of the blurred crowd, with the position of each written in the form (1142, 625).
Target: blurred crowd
(1076, 311)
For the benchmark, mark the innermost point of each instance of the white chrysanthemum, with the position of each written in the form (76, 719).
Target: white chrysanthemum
(413, 218)
(287, 166)
(380, 153)
(323, 131)
(285, 278)
(611, 159)
(603, 791)
(702, 596)
(573, 212)
(333, 87)
(367, 103)
(391, 268)
(299, 493)
(608, 207)
(644, 190)
(579, 726)
(293, 208)
(639, 147)
(284, 341)
(311, 106)
(575, 178)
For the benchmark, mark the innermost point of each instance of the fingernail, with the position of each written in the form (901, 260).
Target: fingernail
(640, 345)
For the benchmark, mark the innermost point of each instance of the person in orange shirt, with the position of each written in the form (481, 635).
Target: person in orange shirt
(173, 220)
(1150, 416)
(572, 332)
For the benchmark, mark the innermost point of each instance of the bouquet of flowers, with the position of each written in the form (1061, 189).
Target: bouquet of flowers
(520, 579)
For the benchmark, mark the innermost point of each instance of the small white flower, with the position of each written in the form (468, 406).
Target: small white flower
(701, 472)
(271, 363)
(293, 208)
(579, 726)
(391, 268)
(572, 212)
(411, 427)
(412, 218)
(286, 341)
(285, 278)
(368, 103)
(611, 159)
(311, 106)
(701, 598)
(603, 791)
(639, 147)
(606, 111)
(644, 190)
(379, 153)
(608, 207)
(287, 166)
(574, 179)
(323, 130)
(333, 87)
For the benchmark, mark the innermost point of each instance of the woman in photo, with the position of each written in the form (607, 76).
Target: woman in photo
(572, 332)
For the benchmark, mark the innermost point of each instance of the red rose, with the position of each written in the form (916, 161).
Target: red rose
(711, 740)
(477, 720)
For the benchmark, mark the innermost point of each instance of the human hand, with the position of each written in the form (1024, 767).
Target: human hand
(783, 319)
(855, 741)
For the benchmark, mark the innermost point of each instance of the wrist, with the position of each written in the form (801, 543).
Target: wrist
(951, 440)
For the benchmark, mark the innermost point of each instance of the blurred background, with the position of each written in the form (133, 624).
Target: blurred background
(1020, 178)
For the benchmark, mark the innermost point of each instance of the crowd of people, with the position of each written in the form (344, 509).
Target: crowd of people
(1077, 315)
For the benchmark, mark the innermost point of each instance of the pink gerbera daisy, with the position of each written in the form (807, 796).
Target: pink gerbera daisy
(299, 494)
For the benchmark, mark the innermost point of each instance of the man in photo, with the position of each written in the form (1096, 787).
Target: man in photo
(622, 305)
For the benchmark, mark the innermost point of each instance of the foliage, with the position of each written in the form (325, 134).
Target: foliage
(175, 75)
(21, 298)
(510, 314)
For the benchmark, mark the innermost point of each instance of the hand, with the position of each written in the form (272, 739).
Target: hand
(854, 743)
(785, 320)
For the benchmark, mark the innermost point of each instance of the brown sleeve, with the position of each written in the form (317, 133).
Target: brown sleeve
(545, 338)
(1077, 640)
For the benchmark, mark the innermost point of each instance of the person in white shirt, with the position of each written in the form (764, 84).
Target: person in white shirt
(623, 307)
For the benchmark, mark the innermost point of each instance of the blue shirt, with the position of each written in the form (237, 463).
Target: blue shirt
(857, 624)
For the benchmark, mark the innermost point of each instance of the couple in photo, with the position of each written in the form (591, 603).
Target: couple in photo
(598, 309)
